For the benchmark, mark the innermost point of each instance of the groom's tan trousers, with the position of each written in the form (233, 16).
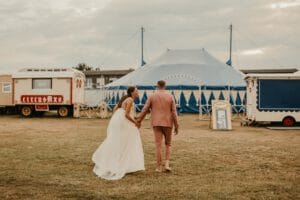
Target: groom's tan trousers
(161, 132)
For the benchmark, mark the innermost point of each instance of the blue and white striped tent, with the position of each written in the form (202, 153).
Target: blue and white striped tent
(194, 77)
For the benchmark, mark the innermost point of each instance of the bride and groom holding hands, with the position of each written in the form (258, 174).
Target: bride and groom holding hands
(122, 151)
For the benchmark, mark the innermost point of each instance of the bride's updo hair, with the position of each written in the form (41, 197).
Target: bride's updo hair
(130, 90)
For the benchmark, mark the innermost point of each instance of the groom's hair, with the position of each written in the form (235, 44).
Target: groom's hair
(161, 84)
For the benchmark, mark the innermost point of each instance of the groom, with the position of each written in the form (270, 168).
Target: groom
(163, 116)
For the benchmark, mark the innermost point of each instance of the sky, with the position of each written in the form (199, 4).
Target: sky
(106, 33)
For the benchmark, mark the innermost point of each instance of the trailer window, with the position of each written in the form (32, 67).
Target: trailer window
(6, 87)
(45, 83)
(279, 95)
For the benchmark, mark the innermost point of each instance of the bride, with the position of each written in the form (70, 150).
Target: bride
(121, 152)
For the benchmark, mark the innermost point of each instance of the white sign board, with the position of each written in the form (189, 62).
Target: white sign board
(221, 115)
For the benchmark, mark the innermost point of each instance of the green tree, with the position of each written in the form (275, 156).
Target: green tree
(83, 67)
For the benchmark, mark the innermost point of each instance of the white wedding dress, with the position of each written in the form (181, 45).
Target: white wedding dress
(122, 151)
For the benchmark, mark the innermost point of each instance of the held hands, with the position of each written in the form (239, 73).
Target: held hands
(138, 124)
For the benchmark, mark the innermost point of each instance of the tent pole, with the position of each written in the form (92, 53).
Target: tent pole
(229, 62)
(200, 108)
(230, 44)
(179, 101)
(142, 46)
(229, 93)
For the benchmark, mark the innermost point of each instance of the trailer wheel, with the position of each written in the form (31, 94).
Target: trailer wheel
(63, 111)
(288, 121)
(26, 111)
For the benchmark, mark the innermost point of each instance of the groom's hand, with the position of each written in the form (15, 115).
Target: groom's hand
(139, 120)
(176, 130)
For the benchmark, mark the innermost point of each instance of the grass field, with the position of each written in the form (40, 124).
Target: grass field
(50, 158)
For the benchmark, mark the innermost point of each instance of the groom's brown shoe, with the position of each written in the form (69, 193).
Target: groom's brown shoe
(167, 166)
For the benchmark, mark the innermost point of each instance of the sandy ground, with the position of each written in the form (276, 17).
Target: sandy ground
(50, 158)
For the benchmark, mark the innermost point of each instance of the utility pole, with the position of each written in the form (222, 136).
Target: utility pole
(142, 46)
(229, 62)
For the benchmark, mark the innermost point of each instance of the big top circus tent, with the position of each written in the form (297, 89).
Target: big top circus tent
(194, 77)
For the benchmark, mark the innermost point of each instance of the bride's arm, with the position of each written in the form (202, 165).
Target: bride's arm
(115, 108)
(129, 104)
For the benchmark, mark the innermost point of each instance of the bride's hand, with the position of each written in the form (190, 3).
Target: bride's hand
(137, 124)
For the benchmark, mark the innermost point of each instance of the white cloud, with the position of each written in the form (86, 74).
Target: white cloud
(252, 52)
(284, 4)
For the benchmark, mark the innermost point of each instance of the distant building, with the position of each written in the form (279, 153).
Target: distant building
(97, 78)
(269, 70)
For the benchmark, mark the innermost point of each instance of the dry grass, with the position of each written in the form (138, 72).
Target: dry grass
(50, 158)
